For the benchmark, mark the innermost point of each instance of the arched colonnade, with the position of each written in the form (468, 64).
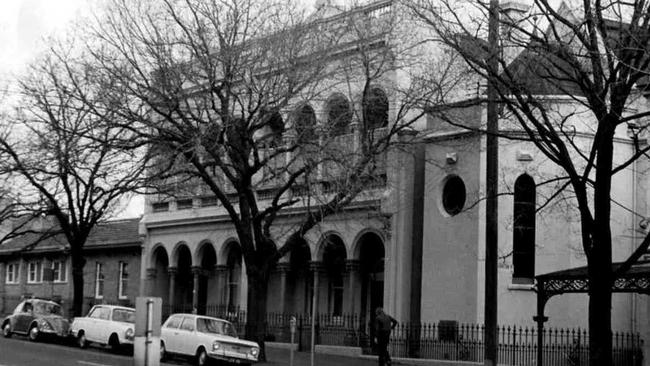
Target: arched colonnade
(349, 276)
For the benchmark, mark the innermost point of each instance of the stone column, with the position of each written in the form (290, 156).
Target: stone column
(172, 271)
(352, 268)
(317, 269)
(221, 272)
(283, 269)
(196, 272)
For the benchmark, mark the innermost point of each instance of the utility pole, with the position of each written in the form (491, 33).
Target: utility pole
(491, 181)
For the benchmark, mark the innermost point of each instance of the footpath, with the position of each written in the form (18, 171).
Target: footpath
(278, 356)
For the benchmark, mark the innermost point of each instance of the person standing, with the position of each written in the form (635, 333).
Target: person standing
(384, 323)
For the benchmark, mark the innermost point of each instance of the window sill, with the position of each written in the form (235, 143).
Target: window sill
(12, 283)
(521, 287)
(34, 282)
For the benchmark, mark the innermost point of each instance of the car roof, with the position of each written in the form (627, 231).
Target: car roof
(41, 300)
(115, 307)
(199, 316)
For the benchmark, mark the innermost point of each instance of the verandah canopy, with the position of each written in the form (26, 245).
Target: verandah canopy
(575, 280)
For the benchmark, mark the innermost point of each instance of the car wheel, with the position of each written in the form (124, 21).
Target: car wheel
(34, 333)
(163, 351)
(201, 357)
(114, 342)
(6, 330)
(82, 342)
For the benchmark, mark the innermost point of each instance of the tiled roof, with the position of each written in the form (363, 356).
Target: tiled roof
(108, 234)
(540, 71)
(115, 232)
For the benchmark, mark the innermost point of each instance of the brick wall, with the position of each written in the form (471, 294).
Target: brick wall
(11, 294)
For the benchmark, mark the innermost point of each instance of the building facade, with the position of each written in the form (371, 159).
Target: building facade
(413, 244)
(43, 269)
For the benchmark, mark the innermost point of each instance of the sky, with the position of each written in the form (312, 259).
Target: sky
(24, 24)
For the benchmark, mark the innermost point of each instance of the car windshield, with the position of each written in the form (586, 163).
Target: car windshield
(206, 325)
(124, 315)
(47, 308)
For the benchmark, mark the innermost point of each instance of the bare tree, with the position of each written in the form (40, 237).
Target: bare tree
(596, 53)
(210, 84)
(66, 160)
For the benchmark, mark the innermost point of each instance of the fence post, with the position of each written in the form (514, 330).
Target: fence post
(513, 344)
(300, 345)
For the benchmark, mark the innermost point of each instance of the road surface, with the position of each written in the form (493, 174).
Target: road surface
(18, 351)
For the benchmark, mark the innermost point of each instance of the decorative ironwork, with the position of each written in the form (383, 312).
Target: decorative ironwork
(632, 284)
(576, 280)
(560, 286)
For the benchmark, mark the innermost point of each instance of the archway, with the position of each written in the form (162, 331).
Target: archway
(159, 275)
(300, 279)
(334, 256)
(371, 271)
(208, 286)
(233, 277)
(184, 280)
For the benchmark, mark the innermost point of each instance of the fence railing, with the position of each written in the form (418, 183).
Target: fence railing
(445, 340)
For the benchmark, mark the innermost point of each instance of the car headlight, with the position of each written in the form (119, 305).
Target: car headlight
(254, 352)
(129, 333)
(216, 345)
(46, 326)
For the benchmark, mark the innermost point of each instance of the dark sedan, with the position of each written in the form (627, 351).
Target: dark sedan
(36, 318)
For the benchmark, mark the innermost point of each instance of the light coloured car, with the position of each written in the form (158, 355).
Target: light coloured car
(205, 338)
(105, 324)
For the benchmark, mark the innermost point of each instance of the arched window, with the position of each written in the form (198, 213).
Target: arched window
(304, 121)
(523, 240)
(339, 115)
(274, 127)
(375, 111)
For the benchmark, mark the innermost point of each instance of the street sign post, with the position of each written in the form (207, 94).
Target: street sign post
(146, 345)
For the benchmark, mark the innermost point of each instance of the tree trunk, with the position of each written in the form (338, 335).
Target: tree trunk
(600, 324)
(600, 253)
(256, 308)
(78, 263)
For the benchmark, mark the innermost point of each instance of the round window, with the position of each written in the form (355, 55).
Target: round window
(453, 195)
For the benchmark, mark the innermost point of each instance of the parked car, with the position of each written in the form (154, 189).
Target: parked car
(205, 339)
(106, 325)
(36, 318)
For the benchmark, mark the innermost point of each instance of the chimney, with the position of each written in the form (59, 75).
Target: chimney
(513, 14)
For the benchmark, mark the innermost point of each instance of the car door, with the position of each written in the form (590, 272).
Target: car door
(24, 317)
(91, 326)
(187, 337)
(104, 324)
(170, 333)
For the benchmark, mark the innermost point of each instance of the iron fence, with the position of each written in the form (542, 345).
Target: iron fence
(445, 340)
